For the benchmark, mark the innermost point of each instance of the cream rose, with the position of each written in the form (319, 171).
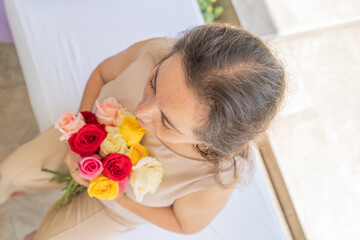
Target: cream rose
(113, 143)
(122, 113)
(146, 176)
(68, 124)
(107, 112)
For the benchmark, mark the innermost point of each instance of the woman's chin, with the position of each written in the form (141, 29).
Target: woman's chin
(145, 126)
(149, 129)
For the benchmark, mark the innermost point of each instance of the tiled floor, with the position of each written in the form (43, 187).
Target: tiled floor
(254, 16)
(19, 216)
(15, 108)
(292, 15)
(318, 148)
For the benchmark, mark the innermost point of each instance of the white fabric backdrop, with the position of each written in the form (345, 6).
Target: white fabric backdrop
(59, 44)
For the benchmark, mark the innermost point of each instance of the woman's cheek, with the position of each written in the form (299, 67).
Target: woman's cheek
(162, 132)
(169, 136)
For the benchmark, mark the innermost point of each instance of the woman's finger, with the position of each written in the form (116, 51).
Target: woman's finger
(77, 169)
(84, 183)
(79, 179)
(76, 177)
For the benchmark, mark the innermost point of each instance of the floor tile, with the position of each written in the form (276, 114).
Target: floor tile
(27, 212)
(9, 66)
(17, 122)
(6, 228)
(254, 16)
(291, 15)
(318, 149)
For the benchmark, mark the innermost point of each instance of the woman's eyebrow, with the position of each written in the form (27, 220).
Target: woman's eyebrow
(156, 75)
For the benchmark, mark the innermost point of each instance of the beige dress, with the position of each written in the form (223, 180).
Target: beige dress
(84, 215)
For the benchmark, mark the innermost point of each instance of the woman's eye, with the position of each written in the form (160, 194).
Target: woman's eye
(152, 83)
(165, 126)
(163, 123)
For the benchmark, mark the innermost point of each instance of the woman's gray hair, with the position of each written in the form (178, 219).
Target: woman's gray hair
(239, 82)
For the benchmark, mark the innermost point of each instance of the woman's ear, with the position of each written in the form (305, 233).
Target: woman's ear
(202, 146)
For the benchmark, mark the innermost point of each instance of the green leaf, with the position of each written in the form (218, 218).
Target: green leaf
(209, 9)
(50, 171)
(218, 11)
(202, 5)
(208, 17)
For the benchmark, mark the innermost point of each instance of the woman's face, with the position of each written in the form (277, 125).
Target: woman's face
(169, 109)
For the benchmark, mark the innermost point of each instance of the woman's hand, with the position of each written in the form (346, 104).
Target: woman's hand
(71, 160)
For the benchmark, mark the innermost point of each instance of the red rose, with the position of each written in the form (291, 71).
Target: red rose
(117, 166)
(89, 117)
(88, 139)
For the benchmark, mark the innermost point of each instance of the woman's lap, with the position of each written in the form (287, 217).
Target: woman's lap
(84, 218)
(21, 170)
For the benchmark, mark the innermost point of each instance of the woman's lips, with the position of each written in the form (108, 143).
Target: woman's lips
(144, 125)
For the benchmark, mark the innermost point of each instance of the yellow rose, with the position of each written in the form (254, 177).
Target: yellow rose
(122, 113)
(137, 152)
(146, 176)
(103, 188)
(113, 143)
(131, 131)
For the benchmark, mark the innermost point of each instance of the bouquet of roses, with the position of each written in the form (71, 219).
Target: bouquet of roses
(108, 142)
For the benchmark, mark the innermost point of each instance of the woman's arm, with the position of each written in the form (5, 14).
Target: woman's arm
(188, 214)
(107, 71)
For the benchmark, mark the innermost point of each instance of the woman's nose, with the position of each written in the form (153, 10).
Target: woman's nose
(145, 110)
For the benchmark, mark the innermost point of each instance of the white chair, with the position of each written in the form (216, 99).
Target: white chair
(59, 44)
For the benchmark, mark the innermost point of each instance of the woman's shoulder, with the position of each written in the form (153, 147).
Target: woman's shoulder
(156, 48)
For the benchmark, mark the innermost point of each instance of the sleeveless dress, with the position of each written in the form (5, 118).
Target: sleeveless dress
(181, 175)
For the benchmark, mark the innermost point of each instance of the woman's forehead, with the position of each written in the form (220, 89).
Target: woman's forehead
(174, 98)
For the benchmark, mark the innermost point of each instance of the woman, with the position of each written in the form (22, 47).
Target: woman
(206, 97)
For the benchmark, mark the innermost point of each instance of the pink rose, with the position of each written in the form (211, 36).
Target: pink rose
(68, 124)
(106, 112)
(90, 167)
(123, 184)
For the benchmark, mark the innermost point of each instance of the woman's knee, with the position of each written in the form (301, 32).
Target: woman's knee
(10, 167)
(25, 164)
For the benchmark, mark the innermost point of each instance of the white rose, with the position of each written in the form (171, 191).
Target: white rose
(113, 143)
(146, 176)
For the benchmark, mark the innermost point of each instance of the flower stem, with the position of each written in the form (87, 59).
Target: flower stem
(49, 171)
(66, 195)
